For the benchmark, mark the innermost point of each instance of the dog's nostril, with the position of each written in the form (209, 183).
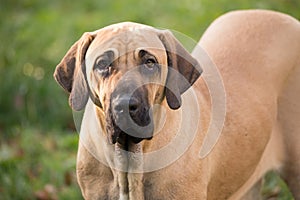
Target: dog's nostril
(133, 105)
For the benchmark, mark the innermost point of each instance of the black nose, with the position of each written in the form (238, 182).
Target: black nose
(125, 105)
(131, 115)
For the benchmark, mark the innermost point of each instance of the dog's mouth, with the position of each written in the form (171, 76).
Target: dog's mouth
(124, 128)
(124, 140)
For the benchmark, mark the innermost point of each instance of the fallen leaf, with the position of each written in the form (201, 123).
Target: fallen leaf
(47, 193)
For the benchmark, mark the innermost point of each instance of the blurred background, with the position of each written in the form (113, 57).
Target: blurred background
(38, 141)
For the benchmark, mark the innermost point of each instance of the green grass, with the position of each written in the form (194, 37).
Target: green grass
(275, 187)
(38, 164)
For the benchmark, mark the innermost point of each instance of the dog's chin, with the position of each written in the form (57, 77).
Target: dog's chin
(125, 139)
(122, 138)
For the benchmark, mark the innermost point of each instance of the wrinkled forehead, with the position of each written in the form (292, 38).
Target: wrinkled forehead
(126, 40)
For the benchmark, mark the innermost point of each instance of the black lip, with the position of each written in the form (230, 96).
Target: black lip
(125, 138)
(112, 130)
(125, 141)
(116, 135)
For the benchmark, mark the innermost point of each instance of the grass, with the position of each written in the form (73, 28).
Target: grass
(274, 187)
(38, 165)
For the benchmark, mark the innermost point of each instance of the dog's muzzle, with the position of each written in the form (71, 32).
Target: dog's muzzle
(131, 118)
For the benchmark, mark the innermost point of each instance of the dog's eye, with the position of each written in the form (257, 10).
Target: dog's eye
(150, 64)
(102, 66)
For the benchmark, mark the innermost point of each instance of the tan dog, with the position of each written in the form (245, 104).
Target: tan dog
(123, 69)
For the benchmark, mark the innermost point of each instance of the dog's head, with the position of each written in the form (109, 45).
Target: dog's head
(125, 69)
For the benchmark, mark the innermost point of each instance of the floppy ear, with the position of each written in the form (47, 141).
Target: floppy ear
(70, 72)
(183, 71)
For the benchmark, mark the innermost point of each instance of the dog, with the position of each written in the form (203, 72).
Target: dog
(140, 89)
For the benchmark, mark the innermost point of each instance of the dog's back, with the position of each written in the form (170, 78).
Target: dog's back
(289, 118)
(258, 55)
